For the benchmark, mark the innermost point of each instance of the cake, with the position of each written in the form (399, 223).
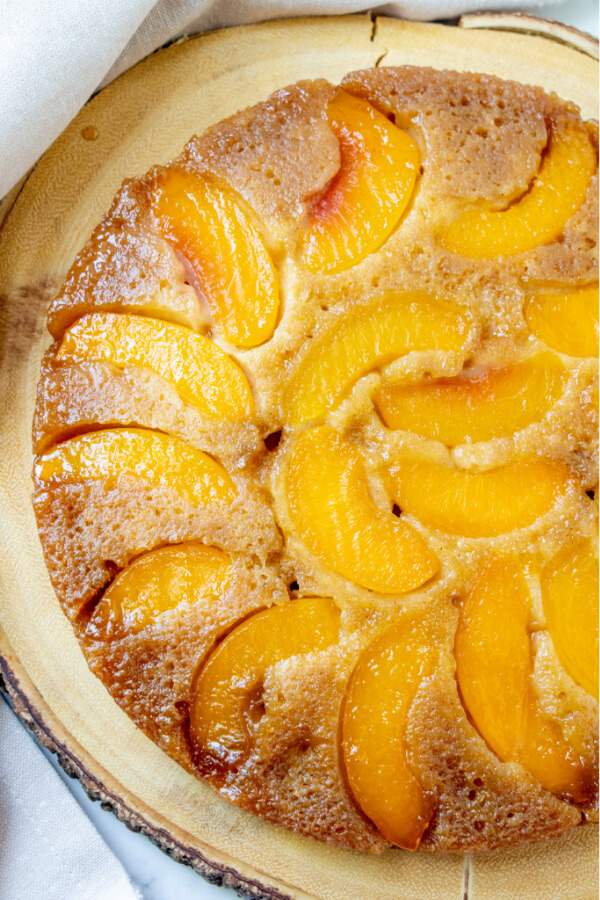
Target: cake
(316, 461)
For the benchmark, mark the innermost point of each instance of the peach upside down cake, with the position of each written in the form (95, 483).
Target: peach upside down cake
(316, 460)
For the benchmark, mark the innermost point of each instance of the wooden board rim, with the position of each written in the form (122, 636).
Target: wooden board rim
(28, 706)
(38, 716)
(524, 23)
(517, 22)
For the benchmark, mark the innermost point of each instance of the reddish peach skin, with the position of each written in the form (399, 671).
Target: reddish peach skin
(379, 164)
(333, 201)
(496, 403)
(207, 223)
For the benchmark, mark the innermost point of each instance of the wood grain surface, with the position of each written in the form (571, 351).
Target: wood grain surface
(146, 117)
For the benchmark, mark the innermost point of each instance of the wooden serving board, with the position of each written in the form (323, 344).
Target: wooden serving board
(146, 117)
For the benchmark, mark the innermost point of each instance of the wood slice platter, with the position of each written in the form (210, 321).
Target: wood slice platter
(146, 117)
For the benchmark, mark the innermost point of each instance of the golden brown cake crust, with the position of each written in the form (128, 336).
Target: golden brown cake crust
(135, 263)
(480, 139)
(277, 154)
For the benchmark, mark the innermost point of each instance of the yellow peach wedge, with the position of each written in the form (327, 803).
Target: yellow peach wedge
(148, 455)
(335, 516)
(371, 336)
(494, 669)
(124, 269)
(206, 223)
(541, 214)
(477, 504)
(377, 705)
(379, 165)
(201, 373)
(570, 597)
(567, 321)
(163, 579)
(227, 691)
(492, 404)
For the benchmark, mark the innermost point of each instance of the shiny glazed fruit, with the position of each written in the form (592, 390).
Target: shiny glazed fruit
(494, 665)
(369, 337)
(493, 404)
(227, 693)
(570, 595)
(377, 705)
(200, 372)
(397, 436)
(334, 514)
(379, 165)
(163, 579)
(206, 223)
(148, 455)
(115, 272)
(566, 321)
(540, 215)
(477, 504)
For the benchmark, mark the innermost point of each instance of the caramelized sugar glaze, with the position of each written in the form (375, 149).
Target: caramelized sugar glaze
(316, 459)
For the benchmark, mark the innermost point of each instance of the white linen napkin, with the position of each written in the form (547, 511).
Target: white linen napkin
(49, 847)
(54, 56)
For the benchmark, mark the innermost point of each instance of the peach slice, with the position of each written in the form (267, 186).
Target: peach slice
(207, 224)
(570, 597)
(125, 267)
(541, 214)
(493, 404)
(494, 666)
(227, 691)
(378, 701)
(335, 516)
(201, 373)
(566, 321)
(368, 337)
(379, 165)
(148, 455)
(478, 504)
(162, 579)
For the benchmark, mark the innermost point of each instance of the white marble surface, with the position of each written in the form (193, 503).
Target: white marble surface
(155, 875)
(582, 14)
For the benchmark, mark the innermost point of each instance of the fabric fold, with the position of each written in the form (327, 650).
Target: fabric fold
(52, 59)
(49, 847)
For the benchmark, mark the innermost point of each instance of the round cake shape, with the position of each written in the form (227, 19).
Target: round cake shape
(317, 239)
